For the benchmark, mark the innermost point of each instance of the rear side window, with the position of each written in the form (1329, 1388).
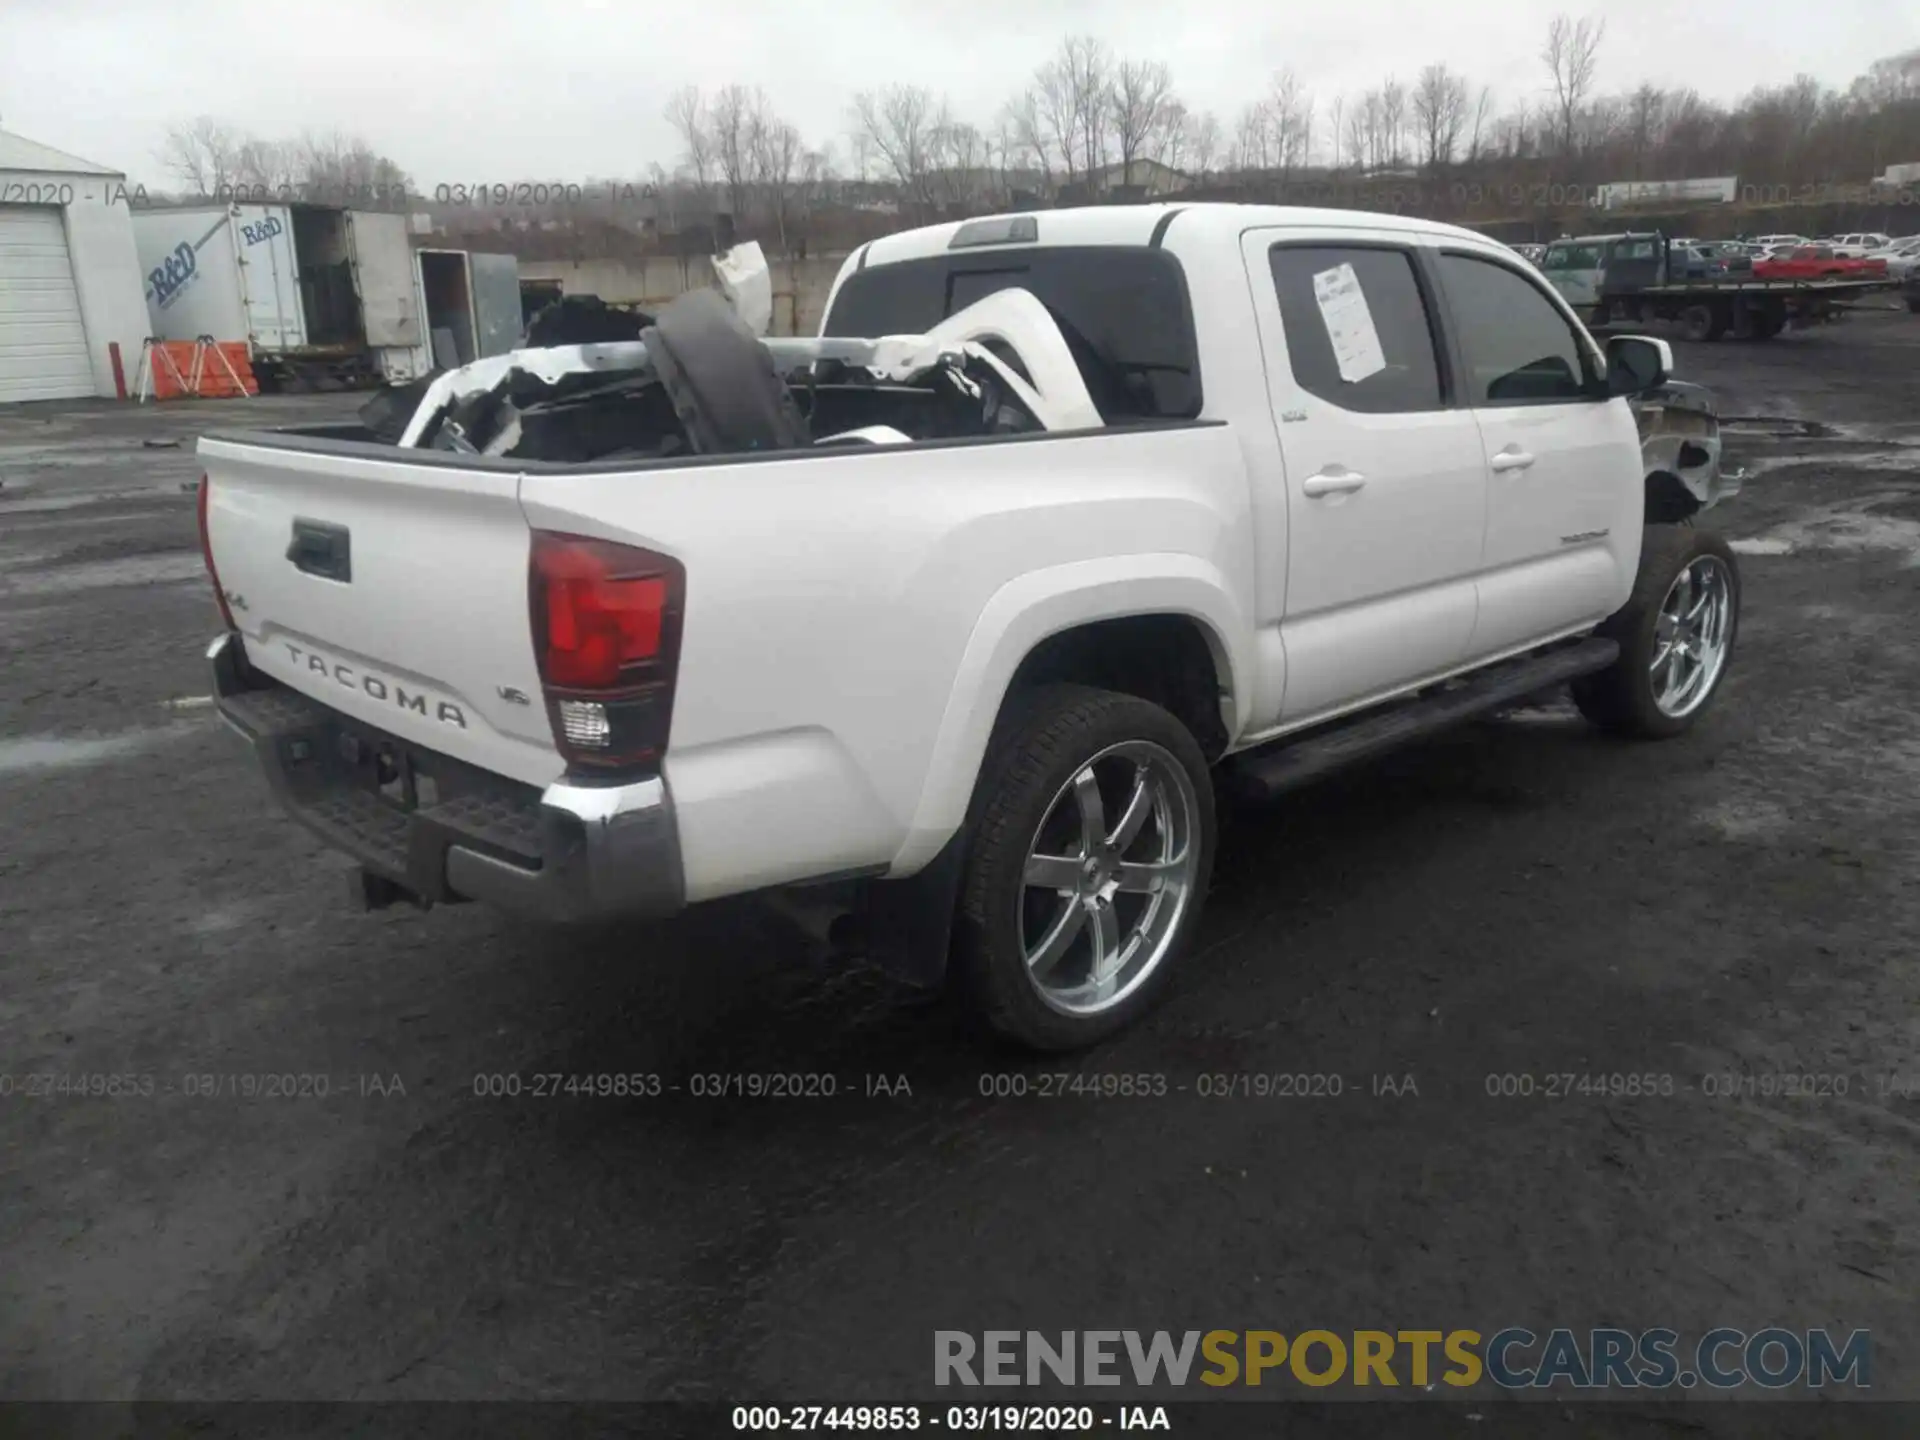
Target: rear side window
(1357, 329)
(1123, 311)
(1519, 348)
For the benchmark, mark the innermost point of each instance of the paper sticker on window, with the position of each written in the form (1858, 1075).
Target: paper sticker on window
(1343, 305)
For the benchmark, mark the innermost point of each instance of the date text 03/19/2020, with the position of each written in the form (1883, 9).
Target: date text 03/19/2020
(952, 1419)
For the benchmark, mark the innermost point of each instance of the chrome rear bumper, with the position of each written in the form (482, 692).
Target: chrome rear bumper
(568, 852)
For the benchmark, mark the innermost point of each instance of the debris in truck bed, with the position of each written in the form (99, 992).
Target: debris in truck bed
(385, 416)
(583, 320)
(699, 381)
(745, 280)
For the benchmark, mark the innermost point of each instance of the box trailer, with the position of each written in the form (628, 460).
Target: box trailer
(316, 293)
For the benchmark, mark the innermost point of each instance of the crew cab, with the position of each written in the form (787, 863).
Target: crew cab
(1067, 525)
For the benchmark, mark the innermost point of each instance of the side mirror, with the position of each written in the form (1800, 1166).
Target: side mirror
(1636, 364)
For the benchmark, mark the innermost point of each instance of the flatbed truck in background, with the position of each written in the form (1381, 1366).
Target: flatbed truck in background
(1624, 278)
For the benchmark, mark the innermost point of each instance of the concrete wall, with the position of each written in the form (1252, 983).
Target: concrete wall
(106, 270)
(799, 286)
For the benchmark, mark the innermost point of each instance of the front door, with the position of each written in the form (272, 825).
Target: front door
(1386, 485)
(1567, 495)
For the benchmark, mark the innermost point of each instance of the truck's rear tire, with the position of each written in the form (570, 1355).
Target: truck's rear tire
(1676, 635)
(1091, 848)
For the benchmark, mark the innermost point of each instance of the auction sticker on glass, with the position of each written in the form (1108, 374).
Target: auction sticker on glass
(1343, 305)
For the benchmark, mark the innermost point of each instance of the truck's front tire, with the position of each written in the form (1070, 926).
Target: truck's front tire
(1676, 635)
(1092, 844)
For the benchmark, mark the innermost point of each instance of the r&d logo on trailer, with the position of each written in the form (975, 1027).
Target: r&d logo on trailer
(166, 278)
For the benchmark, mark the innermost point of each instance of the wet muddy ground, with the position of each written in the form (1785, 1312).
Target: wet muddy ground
(1519, 899)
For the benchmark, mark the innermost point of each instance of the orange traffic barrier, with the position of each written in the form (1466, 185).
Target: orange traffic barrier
(175, 368)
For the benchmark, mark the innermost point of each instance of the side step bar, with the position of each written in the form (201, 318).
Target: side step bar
(1263, 774)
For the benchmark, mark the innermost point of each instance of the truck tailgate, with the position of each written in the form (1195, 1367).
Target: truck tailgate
(394, 592)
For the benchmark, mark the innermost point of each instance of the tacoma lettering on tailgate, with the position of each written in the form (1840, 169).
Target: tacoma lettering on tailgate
(445, 711)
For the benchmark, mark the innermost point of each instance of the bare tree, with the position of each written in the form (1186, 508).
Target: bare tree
(1169, 143)
(1252, 141)
(203, 154)
(1027, 143)
(1139, 97)
(860, 143)
(736, 118)
(1202, 144)
(901, 122)
(1058, 117)
(687, 113)
(1393, 119)
(1336, 109)
(331, 165)
(777, 154)
(1439, 111)
(277, 165)
(1074, 93)
(1290, 119)
(1363, 131)
(1482, 115)
(1572, 54)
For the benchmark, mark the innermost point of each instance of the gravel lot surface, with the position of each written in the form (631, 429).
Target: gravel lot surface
(1520, 898)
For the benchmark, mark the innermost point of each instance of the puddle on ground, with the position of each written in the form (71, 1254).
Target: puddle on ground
(1776, 426)
(44, 503)
(55, 752)
(1857, 529)
(140, 570)
(1738, 818)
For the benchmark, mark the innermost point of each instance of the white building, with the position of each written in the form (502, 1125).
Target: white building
(70, 288)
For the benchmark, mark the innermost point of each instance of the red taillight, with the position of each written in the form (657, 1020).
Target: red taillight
(206, 552)
(606, 628)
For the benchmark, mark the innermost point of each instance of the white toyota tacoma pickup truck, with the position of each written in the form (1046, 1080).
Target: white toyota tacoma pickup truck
(1066, 524)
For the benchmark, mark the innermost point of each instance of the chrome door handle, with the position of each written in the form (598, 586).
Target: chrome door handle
(1511, 458)
(1340, 482)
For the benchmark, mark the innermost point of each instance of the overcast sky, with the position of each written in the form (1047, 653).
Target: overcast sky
(561, 90)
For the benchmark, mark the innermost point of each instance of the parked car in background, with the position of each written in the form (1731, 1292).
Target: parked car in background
(1774, 242)
(1693, 262)
(1859, 243)
(1816, 262)
(1902, 256)
(1737, 258)
(1707, 260)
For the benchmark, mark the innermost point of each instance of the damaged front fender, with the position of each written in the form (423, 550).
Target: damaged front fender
(1680, 447)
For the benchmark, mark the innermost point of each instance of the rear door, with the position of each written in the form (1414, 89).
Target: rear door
(1385, 485)
(496, 303)
(383, 270)
(1563, 459)
(262, 240)
(393, 591)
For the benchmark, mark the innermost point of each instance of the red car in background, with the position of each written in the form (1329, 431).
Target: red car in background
(1816, 262)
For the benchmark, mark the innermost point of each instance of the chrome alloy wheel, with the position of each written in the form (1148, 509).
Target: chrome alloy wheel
(1102, 902)
(1690, 637)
